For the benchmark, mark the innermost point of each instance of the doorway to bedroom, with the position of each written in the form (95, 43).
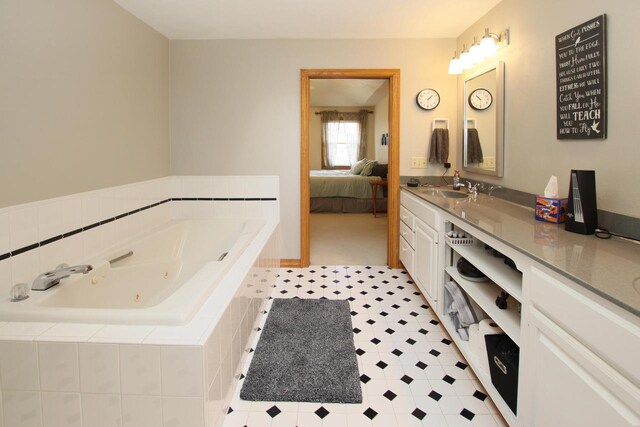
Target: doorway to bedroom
(349, 167)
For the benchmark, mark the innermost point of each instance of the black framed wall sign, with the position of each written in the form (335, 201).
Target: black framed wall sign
(581, 81)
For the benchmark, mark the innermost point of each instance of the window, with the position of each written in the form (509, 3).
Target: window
(343, 143)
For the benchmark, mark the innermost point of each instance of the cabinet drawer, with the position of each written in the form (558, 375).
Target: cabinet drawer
(612, 337)
(406, 256)
(421, 209)
(407, 234)
(408, 218)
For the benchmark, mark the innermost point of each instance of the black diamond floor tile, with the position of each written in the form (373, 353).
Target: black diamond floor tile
(436, 353)
(410, 341)
(381, 364)
(419, 413)
(370, 413)
(376, 341)
(390, 395)
(406, 379)
(448, 379)
(467, 414)
(435, 395)
(322, 412)
(461, 365)
(421, 365)
(397, 352)
(479, 395)
(273, 411)
(364, 378)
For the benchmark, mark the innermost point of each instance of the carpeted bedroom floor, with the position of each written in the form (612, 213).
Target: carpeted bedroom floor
(348, 239)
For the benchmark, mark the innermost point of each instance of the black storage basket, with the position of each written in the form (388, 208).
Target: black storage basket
(504, 356)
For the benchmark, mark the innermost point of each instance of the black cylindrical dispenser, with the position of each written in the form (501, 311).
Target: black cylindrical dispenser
(582, 216)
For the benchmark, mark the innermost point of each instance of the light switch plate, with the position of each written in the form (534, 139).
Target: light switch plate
(418, 163)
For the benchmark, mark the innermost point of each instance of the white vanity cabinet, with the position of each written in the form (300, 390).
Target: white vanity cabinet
(579, 358)
(582, 358)
(419, 243)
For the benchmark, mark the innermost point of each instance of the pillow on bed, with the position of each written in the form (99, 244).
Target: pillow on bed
(380, 170)
(368, 167)
(356, 169)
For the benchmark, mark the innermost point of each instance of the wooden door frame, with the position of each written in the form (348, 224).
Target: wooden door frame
(393, 197)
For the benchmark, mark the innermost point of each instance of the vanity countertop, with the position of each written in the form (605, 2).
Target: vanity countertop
(610, 268)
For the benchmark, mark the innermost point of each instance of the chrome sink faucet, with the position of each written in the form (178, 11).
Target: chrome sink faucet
(52, 278)
(473, 189)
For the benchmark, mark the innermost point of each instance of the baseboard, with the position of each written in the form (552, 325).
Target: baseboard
(291, 263)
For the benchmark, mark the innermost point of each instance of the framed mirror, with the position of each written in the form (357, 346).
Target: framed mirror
(483, 121)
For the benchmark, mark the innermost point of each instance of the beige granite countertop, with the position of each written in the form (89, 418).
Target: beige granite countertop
(610, 268)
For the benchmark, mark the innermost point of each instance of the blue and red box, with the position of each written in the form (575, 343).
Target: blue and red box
(553, 210)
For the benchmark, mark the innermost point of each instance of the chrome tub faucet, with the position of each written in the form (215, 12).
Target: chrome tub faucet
(52, 278)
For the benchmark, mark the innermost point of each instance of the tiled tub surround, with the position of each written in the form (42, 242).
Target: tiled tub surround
(69, 374)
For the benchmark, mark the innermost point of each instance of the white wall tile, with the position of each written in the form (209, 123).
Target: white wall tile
(50, 256)
(141, 411)
(90, 209)
(49, 219)
(99, 368)
(5, 276)
(71, 212)
(182, 371)
(21, 409)
(183, 412)
(24, 328)
(212, 356)
(19, 366)
(5, 236)
(82, 331)
(73, 250)
(24, 267)
(101, 410)
(61, 410)
(58, 366)
(136, 333)
(23, 226)
(140, 369)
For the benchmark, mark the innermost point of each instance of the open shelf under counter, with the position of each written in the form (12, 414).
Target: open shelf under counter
(484, 294)
(483, 377)
(494, 268)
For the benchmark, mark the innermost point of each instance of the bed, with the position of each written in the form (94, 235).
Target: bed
(339, 191)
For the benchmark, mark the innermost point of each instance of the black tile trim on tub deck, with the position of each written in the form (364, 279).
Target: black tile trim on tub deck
(135, 211)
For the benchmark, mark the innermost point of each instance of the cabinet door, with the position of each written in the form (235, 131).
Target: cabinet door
(426, 257)
(571, 386)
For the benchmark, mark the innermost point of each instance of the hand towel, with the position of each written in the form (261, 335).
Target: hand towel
(439, 149)
(474, 149)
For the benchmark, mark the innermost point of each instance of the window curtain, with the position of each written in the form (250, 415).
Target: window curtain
(340, 138)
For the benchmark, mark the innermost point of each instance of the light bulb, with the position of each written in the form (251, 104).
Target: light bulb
(454, 66)
(465, 61)
(476, 53)
(488, 44)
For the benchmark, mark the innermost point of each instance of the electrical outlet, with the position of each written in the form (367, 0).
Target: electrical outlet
(489, 162)
(418, 163)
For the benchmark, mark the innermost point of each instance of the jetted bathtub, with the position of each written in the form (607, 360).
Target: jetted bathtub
(171, 272)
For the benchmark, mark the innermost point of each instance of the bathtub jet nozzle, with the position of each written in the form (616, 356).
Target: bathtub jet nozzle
(52, 278)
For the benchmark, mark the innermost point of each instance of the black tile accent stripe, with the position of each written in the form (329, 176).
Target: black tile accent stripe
(122, 215)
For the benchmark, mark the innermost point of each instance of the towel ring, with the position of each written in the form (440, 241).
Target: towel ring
(439, 124)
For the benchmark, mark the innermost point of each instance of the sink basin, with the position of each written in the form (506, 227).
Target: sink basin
(448, 194)
(453, 194)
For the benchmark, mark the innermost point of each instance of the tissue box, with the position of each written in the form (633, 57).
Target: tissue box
(551, 210)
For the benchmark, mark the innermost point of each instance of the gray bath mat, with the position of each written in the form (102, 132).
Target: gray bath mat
(305, 354)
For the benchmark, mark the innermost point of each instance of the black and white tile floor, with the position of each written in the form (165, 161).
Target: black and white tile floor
(411, 372)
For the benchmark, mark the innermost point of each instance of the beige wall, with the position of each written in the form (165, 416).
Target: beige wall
(381, 115)
(85, 98)
(236, 105)
(532, 152)
(315, 134)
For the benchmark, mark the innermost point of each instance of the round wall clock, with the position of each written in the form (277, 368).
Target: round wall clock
(428, 99)
(480, 99)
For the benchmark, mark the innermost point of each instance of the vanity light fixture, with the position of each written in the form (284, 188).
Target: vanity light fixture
(491, 41)
(465, 59)
(454, 64)
(478, 52)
